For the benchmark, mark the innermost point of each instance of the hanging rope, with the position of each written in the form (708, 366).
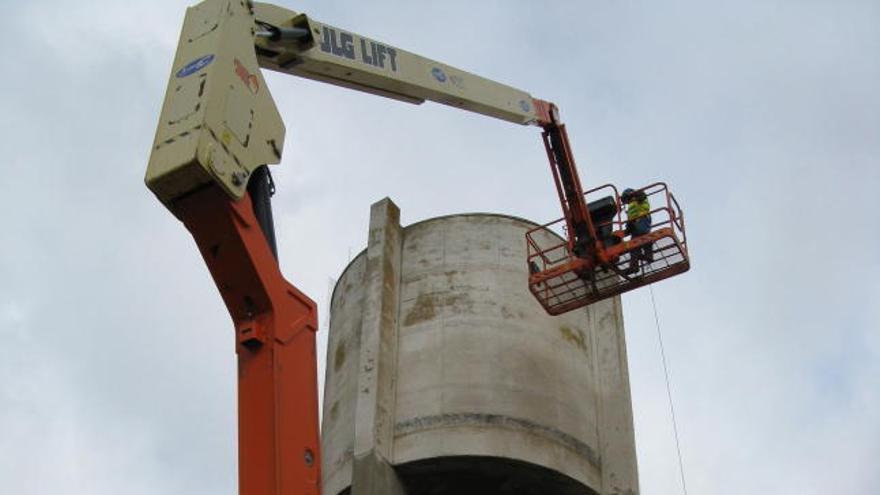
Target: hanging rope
(668, 391)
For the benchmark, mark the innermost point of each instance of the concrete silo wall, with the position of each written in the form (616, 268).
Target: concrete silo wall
(444, 375)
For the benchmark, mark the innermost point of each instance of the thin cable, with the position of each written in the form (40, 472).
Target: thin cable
(668, 390)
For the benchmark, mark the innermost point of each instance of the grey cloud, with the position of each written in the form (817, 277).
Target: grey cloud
(117, 368)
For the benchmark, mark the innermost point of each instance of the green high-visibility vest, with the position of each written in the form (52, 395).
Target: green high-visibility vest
(637, 208)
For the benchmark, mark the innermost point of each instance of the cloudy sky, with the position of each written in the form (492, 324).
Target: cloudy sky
(117, 365)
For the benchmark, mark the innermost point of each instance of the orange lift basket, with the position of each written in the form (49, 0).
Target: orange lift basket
(563, 277)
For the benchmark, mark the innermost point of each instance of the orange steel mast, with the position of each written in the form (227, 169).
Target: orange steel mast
(275, 327)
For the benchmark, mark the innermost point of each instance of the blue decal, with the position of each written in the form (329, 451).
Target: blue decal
(524, 105)
(195, 66)
(438, 74)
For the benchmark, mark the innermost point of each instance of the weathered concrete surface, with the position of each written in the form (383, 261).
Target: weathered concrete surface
(374, 422)
(483, 370)
(364, 347)
(374, 475)
(616, 436)
(340, 383)
(459, 359)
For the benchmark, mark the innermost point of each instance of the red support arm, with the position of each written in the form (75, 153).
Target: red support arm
(275, 327)
(581, 232)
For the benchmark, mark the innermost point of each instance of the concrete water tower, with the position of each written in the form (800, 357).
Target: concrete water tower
(445, 376)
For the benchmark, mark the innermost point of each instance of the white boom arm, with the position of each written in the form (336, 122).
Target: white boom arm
(219, 122)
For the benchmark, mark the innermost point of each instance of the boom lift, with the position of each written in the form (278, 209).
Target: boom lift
(218, 130)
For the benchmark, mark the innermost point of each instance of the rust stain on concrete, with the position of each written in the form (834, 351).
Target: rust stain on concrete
(459, 303)
(339, 356)
(506, 313)
(427, 306)
(574, 336)
(388, 275)
(422, 310)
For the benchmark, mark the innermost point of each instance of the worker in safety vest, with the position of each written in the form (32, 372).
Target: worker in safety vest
(638, 216)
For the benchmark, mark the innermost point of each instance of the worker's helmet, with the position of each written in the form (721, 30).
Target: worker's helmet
(627, 193)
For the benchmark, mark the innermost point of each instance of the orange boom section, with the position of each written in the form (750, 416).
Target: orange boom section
(275, 327)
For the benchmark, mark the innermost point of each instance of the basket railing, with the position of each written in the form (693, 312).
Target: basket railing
(562, 281)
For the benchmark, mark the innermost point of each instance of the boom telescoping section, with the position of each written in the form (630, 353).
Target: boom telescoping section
(219, 127)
